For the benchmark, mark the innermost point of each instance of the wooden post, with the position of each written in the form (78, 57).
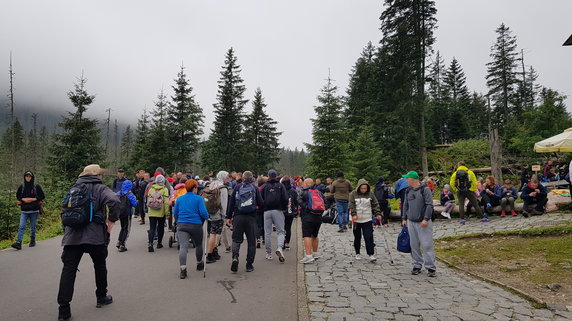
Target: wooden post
(496, 155)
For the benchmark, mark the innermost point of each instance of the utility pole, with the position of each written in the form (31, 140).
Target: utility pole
(13, 144)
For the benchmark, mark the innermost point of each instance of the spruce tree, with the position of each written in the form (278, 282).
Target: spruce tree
(366, 157)
(437, 108)
(262, 136)
(138, 159)
(328, 153)
(224, 148)
(184, 122)
(458, 115)
(158, 152)
(361, 91)
(501, 75)
(79, 143)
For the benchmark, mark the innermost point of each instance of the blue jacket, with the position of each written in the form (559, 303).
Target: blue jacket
(190, 208)
(126, 189)
(510, 193)
(400, 185)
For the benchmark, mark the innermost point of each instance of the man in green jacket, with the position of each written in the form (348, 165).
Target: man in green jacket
(341, 189)
(464, 182)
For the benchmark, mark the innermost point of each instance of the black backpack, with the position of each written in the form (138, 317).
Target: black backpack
(462, 182)
(381, 193)
(77, 206)
(124, 205)
(273, 195)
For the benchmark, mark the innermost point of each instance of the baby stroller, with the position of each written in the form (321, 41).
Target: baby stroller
(173, 238)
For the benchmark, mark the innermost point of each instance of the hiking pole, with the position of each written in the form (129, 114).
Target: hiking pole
(205, 247)
(386, 246)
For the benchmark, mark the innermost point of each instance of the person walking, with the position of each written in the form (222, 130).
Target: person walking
(242, 216)
(363, 206)
(142, 201)
(291, 211)
(311, 220)
(92, 238)
(190, 213)
(417, 213)
(127, 202)
(217, 194)
(158, 209)
(341, 189)
(275, 200)
(464, 182)
(118, 181)
(30, 198)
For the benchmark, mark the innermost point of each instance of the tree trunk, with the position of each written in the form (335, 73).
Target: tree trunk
(496, 155)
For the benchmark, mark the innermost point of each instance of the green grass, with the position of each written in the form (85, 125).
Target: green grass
(48, 226)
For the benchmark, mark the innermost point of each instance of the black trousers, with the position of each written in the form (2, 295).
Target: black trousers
(260, 224)
(386, 210)
(71, 257)
(141, 209)
(539, 202)
(288, 219)
(244, 224)
(156, 224)
(367, 230)
(125, 228)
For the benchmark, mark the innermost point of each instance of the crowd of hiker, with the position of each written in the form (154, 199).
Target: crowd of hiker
(242, 206)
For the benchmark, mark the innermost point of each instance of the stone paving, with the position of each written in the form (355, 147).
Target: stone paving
(342, 288)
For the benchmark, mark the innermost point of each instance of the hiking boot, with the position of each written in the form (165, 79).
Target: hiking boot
(234, 265)
(210, 258)
(431, 273)
(104, 301)
(183, 274)
(525, 214)
(317, 255)
(502, 213)
(307, 259)
(64, 313)
(122, 248)
(258, 243)
(150, 247)
(341, 230)
(17, 245)
(280, 255)
(216, 257)
(372, 258)
(32, 243)
(159, 245)
(346, 227)
(513, 213)
(416, 271)
(249, 267)
(200, 266)
(269, 256)
(118, 245)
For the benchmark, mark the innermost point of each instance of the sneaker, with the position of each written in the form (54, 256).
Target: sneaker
(150, 248)
(183, 274)
(307, 259)
(234, 265)
(513, 213)
(142, 223)
(118, 245)
(485, 219)
(249, 267)
(258, 243)
(200, 266)
(503, 214)
(462, 222)
(227, 250)
(317, 255)
(446, 215)
(280, 255)
(286, 247)
(358, 257)
(346, 227)
(17, 245)
(416, 271)
(159, 245)
(489, 206)
(210, 258)
(372, 258)
(32, 244)
(431, 273)
(341, 230)
(269, 256)
(104, 301)
(122, 248)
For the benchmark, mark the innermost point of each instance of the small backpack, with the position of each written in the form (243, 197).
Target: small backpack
(246, 198)
(155, 200)
(212, 199)
(462, 182)
(124, 205)
(77, 206)
(316, 203)
(403, 244)
(273, 195)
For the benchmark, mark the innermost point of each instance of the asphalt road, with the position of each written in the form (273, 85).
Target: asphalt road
(146, 286)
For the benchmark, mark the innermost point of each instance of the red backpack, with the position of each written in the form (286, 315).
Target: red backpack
(316, 203)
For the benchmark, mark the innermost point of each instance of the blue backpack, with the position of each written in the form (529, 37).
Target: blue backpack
(246, 199)
(403, 241)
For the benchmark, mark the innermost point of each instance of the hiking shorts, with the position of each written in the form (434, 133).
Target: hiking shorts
(215, 227)
(311, 225)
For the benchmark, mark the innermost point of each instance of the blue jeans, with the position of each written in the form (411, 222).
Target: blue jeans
(343, 215)
(23, 219)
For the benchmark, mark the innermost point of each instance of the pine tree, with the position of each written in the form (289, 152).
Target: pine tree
(367, 157)
(158, 152)
(501, 75)
(79, 143)
(262, 136)
(224, 148)
(458, 114)
(126, 147)
(328, 154)
(184, 122)
(138, 159)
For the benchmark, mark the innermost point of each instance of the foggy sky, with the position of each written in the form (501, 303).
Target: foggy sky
(129, 50)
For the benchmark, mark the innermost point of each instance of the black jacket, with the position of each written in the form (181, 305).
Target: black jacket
(293, 196)
(30, 190)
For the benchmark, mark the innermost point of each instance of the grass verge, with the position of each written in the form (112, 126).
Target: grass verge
(48, 226)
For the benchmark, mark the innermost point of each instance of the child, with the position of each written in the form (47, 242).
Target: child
(508, 195)
(447, 200)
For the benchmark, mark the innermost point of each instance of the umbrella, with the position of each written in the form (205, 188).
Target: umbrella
(559, 143)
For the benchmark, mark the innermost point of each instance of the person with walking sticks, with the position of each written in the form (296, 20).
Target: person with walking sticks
(363, 206)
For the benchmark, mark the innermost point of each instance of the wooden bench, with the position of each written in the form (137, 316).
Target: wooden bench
(555, 184)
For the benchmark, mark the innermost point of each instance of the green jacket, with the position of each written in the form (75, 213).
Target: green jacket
(363, 205)
(165, 191)
(472, 179)
(341, 189)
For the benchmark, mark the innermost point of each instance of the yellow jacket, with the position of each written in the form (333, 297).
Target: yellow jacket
(472, 179)
(162, 212)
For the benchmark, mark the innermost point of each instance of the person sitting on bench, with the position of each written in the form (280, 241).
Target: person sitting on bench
(535, 197)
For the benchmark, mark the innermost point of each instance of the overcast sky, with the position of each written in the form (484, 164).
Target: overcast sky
(129, 50)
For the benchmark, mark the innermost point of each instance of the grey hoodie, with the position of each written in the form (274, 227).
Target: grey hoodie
(418, 204)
